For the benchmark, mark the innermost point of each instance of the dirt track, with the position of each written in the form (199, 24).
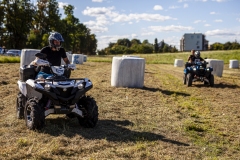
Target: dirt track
(162, 113)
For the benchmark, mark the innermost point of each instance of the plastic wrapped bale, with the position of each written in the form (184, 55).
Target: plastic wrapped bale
(84, 58)
(234, 64)
(27, 56)
(128, 72)
(217, 66)
(131, 56)
(178, 63)
(77, 59)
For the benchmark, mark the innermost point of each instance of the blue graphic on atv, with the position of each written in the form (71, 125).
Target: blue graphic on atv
(198, 71)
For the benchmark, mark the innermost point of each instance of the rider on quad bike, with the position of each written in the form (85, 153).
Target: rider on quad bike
(44, 93)
(198, 71)
(54, 54)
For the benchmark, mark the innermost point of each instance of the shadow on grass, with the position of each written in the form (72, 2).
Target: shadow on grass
(167, 92)
(111, 130)
(219, 85)
(224, 85)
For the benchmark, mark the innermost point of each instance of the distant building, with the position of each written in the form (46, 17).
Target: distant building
(194, 41)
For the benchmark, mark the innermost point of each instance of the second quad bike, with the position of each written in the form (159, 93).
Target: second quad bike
(198, 71)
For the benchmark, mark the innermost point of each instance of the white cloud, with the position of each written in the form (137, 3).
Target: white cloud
(158, 7)
(61, 4)
(173, 41)
(199, 21)
(116, 17)
(185, 5)
(98, 29)
(213, 13)
(97, 0)
(207, 25)
(96, 11)
(220, 0)
(170, 28)
(174, 7)
(142, 16)
(238, 19)
(218, 20)
(133, 36)
(147, 33)
(202, 0)
(218, 32)
(180, 1)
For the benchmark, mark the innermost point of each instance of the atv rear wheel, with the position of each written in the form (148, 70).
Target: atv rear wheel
(34, 114)
(211, 80)
(20, 105)
(184, 78)
(189, 79)
(90, 111)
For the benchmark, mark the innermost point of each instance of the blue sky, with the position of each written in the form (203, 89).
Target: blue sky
(165, 20)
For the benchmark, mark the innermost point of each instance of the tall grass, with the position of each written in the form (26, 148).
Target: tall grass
(9, 59)
(168, 58)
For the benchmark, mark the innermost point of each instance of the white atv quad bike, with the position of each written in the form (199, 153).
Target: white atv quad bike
(57, 94)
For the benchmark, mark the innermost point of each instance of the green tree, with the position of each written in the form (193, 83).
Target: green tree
(124, 42)
(18, 19)
(156, 48)
(135, 42)
(165, 48)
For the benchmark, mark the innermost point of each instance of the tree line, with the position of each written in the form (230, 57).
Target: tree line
(27, 25)
(225, 46)
(126, 46)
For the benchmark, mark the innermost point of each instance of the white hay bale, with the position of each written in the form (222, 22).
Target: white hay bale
(84, 58)
(27, 56)
(77, 59)
(131, 56)
(217, 66)
(233, 64)
(128, 72)
(178, 63)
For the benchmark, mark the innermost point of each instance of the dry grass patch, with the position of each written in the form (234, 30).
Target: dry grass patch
(163, 120)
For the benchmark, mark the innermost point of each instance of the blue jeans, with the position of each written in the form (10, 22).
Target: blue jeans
(42, 74)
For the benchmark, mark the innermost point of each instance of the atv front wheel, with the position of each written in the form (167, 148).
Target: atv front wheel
(34, 114)
(189, 79)
(211, 80)
(90, 111)
(19, 105)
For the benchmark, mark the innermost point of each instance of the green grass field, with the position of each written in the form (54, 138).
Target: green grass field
(168, 58)
(164, 58)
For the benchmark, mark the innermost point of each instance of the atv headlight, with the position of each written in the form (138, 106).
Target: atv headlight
(80, 86)
(194, 69)
(47, 87)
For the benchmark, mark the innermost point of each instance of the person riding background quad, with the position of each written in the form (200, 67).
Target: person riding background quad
(54, 54)
(197, 57)
(190, 59)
